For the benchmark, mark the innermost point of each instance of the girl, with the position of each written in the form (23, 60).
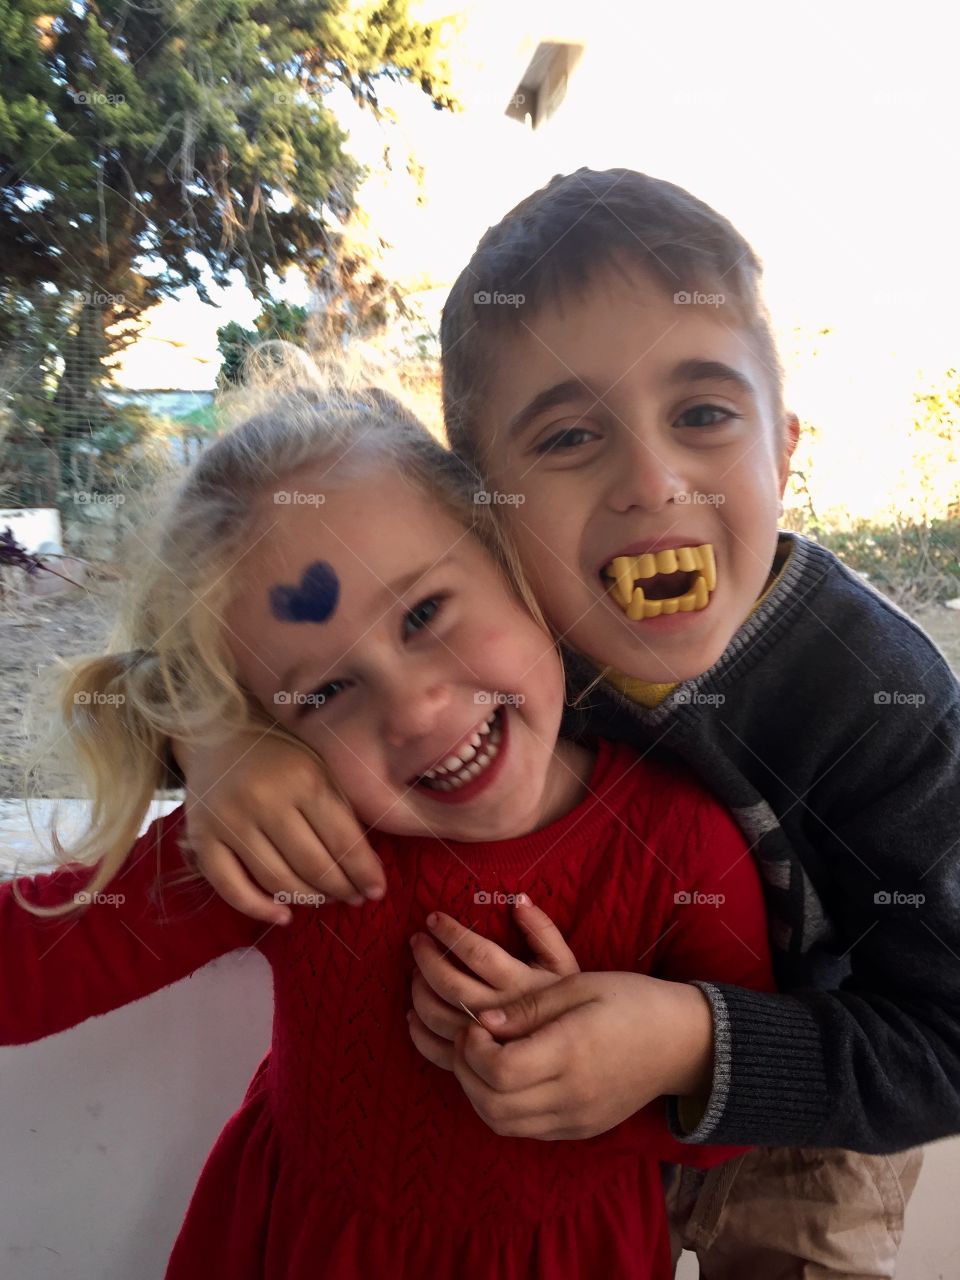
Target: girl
(323, 572)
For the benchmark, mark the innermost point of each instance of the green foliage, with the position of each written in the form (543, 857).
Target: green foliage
(143, 144)
(278, 319)
(913, 563)
(181, 131)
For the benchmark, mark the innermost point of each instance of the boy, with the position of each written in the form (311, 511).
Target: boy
(628, 418)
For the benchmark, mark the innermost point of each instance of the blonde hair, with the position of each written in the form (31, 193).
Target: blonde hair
(171, 674)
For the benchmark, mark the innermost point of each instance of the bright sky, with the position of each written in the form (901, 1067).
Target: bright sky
(824, 132)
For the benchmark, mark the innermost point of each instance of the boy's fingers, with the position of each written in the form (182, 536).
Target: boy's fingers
(225, 874)
(546, 940)
(535, 1009)
(496, 1105)
(338, 832)
(309, 865)
(254, 850)
(523, 1064)
(434, 1049)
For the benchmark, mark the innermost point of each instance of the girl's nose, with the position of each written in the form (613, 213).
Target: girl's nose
(410, 710)
(644, 475)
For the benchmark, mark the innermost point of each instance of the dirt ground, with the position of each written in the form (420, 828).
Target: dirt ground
(34, 633)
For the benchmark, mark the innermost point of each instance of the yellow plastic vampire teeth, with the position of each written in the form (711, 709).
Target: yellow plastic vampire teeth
(626, 574)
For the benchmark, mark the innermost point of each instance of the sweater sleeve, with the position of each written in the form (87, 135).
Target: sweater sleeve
(57, 972)
(875, 1065)
(715, 930)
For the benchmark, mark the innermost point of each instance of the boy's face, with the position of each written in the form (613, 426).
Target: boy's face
(622, 425)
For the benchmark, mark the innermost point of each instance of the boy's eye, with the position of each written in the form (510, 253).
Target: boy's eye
(567, 438)
(421, 615)
(706, 415)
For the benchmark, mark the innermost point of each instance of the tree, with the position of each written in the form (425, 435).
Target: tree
(140, 142)
(276, 320)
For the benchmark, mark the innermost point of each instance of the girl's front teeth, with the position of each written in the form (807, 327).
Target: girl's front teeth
(471, 759)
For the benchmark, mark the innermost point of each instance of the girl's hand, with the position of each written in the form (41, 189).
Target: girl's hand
(439, 986)
(585, 1053)
(261, 812)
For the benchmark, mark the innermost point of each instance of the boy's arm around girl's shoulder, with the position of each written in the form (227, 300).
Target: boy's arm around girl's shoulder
(56, 972)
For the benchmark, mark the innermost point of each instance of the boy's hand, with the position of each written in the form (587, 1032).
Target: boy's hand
(439, 985)
(584, 1054)
(261, 812)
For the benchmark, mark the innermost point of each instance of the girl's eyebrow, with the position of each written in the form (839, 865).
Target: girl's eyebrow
(390, 594)
(572, 389)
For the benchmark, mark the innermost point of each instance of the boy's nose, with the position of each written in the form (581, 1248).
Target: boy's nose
(410, 710)
(643, 475)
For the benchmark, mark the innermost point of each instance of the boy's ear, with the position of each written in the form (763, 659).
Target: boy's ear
(791, 434)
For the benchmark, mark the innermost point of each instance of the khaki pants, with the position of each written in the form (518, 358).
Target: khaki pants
(785, 1213)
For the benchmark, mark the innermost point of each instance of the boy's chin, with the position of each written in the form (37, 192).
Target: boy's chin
(657, 661)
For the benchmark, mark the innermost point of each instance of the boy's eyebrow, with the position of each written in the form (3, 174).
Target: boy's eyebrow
(559, 393)
(710, 371)
(572, 389)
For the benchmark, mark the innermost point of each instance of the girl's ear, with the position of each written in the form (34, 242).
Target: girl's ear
(788, 443)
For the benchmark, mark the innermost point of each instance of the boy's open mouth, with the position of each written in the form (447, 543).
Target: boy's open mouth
(662, 582)
(471, 759)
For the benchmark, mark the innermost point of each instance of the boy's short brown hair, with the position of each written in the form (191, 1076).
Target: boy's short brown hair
(553, 244)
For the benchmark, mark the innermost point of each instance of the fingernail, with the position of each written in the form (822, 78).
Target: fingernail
(415, 940)
(356, 900)
(284, 919)
(433, 919)
(495, 1017)
(374, 892)
(409, 1015)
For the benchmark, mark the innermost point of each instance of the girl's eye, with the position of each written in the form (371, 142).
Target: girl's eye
(324, 694)
(421, 615)
(707, 415)
(568, 438)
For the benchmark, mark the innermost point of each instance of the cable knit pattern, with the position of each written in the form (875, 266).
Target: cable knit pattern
(352, 1156)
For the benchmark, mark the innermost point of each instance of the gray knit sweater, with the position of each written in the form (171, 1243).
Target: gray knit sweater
(831, 728)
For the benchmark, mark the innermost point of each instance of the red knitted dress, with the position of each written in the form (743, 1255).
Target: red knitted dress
(351, 1155)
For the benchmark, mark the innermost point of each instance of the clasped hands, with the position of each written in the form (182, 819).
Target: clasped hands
(560, 1054)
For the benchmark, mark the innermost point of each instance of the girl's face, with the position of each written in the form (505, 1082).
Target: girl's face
(373, 626)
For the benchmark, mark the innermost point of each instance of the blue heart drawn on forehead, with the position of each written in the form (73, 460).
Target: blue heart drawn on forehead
(315, 600)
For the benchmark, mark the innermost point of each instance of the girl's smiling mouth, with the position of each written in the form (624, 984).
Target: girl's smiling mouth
(472, 767)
